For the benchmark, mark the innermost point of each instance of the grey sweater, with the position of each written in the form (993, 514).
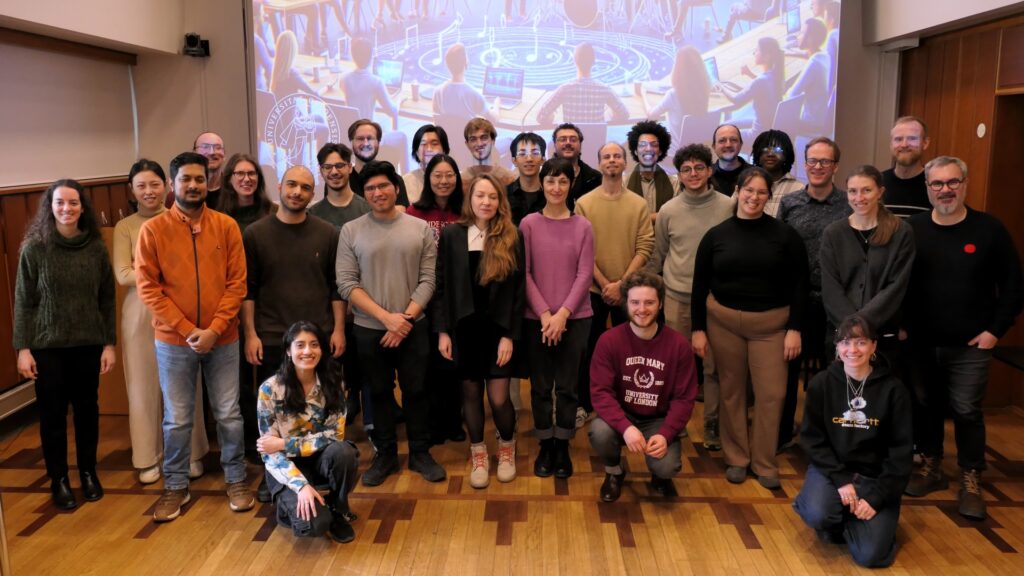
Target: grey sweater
(392, 260)
(681, 224)
(870, 283)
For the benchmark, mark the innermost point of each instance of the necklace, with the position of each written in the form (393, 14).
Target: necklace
(866, 237)
(857, 402)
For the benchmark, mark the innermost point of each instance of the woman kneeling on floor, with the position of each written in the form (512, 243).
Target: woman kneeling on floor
(857, 432)
(301, 415)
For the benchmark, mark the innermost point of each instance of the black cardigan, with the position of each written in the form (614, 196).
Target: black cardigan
(453, 293)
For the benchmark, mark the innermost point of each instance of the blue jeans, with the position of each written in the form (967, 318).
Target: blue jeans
(872, 542)
(178, 367)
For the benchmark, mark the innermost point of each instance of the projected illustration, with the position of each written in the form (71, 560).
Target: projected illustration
(530, 64)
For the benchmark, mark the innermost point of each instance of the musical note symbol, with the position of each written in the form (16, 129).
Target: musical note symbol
(483, 33)
(533, 57)
(452, 29)
(415, 29)
(565, 34)
(503, 21)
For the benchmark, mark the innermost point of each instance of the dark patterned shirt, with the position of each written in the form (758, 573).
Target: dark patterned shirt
(809, 217)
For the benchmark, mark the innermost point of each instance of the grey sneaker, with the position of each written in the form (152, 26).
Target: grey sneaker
(972, 504)
(735, 474)
(928, 478)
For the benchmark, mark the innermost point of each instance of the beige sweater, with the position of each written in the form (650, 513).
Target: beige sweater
(622, 230)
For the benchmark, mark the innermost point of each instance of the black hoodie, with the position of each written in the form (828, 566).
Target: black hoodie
(879, 446)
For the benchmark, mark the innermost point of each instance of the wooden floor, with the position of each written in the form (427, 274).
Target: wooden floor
(529, 526)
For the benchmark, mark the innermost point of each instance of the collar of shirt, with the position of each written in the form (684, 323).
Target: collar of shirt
(476, 238)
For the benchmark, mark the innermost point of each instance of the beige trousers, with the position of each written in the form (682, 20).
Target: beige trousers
(677, 317)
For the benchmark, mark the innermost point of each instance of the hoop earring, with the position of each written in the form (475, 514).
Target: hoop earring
(874, 357)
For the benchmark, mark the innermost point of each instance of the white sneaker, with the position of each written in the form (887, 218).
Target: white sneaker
(506, 460)
(195, 469)
(149, 475)
(480, 466)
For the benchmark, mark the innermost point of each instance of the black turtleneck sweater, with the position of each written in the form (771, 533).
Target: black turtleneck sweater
(750, 265)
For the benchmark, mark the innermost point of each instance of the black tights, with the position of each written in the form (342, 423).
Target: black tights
(501, 408)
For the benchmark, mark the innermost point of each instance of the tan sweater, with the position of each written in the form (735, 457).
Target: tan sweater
(622, 230)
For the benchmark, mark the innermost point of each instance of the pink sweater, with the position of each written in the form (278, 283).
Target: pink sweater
(559, 265)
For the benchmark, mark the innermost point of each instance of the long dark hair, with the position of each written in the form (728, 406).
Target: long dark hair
(888, 223)
(326, 370)
(228, 201)
(44, 225)
(427, 199)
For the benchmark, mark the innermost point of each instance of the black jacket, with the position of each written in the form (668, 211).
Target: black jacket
(880, 447)
(453, 292)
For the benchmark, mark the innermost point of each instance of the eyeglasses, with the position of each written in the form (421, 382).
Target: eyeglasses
(362, 139)
(646, 144)
(339, 166)
(210, 147)
(372, 189)
(442, 176)
(524, 153)
(952, 184)
(773, 149)
(243, 175)
(696, 169)
(567, 139)
(823, 162)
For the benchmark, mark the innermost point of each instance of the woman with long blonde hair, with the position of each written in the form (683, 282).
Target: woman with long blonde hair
(478, 309)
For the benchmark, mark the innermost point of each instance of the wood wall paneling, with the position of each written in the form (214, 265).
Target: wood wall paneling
(1011, 58)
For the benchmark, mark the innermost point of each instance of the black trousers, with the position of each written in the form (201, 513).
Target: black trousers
(598, 325)
(337, 465)
(68, 376)
(813, 354)
(555, 369)
(248, 383)
(444, 393)
(380, 365)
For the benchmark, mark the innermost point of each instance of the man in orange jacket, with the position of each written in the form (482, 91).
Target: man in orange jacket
(190, 269)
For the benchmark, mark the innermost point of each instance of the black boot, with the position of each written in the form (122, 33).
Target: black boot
(544, 465)
(563, 463)
(63, 497)
(91, 487)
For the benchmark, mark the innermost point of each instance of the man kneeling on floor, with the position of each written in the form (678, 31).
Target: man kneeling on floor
(301, 416)
(643, 384)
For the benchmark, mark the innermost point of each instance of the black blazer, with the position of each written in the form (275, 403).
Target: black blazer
(453, 292)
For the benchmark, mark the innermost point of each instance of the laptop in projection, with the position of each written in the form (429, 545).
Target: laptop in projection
(504, 83)
(711, 65)
(391, 72)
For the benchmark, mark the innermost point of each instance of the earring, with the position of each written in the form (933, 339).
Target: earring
(874, 356)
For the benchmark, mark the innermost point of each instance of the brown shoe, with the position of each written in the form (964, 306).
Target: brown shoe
(169, 506)
(972, 504)
(240, 497)
(928, 478)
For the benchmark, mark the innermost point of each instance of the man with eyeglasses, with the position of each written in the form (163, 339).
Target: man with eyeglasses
(678, 230)
(480, 135)
(568, 143)
(525, 193)
(340, 203)
(727, 143)
(385, 270)
(965, 293)
(623, 241)
(649, 142)
(211, 145)
(365, 136)
(905, 190)
(809, 212)
(290, 253)
(773, 151)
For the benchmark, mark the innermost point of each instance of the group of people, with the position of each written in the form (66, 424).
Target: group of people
(623, 298)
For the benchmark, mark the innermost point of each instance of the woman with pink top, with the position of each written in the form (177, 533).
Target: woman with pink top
(559, 270)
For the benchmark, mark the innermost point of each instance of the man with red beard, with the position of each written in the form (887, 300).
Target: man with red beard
(643, 383)
(905, 190)
(365, 136)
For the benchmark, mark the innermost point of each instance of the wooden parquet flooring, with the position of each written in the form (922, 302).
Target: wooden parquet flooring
(529, 526)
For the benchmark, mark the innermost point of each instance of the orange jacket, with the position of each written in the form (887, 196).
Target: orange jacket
(191, 273)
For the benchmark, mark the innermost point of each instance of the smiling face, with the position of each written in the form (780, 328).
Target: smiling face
(567, 144)
(430, 146)
(642, 306)
(190, 186)
(365, 143)
(693, 176)
(149, 190)
(945, 200)
(484, 200)
(305, 351)
(245, 178)
(907, 143)
(66, 207)
(528, 159)
(647, 150)
(864, 194)
(772, 157)
(442, 180)
(381, 194)
(296, 189)
(855, 352)
(556, 189)
(727, 143)
(480, 144)
(752, 197)
(335, 172)
(611, 160)
(212, 146)
(818, 174)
